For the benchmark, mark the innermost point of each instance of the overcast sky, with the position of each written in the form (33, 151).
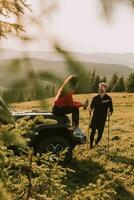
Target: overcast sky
(79, 25)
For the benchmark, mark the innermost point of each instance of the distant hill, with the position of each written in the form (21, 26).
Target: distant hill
(8, 73)
(60, 67)
(126, 59)
(105, 64)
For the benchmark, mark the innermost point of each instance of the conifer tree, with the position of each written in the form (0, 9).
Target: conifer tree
(130, 83)
(96, 84)
(104, 79)
(119, 85)
(89, 76)
(112, 82)
(92, 80)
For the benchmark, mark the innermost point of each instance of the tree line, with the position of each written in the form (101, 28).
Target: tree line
(88, 83)
(115, 84)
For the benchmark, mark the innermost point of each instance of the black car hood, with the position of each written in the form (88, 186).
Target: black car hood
(7, 117)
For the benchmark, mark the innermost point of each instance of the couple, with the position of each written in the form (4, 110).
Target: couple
(64, 104)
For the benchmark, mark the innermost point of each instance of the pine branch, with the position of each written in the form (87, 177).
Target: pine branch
(8, 9)
(6, 27)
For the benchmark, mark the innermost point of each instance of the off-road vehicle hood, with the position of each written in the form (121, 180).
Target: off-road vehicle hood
(6, 116)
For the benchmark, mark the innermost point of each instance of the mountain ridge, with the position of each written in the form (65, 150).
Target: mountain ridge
(54, 63)
(126, 59)
(60, 67)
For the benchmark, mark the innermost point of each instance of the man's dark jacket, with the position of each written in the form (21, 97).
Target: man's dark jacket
(100, 106)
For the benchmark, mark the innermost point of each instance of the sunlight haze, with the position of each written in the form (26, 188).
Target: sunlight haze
(80, 26)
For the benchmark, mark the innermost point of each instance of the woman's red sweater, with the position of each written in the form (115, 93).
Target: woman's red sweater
(67, 100)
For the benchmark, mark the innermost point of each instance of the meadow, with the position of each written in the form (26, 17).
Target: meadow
(101, 173)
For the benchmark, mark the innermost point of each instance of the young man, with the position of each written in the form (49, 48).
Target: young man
(101, 105)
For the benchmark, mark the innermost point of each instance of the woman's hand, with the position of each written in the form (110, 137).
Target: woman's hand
(85, 105)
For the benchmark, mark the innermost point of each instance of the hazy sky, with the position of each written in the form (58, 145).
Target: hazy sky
(79, 25)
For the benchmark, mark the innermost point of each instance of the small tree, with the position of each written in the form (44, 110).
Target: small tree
(119, 85)
(112, 82)
(104, 79)
(130, 83)
(96, 84)
(92, 80)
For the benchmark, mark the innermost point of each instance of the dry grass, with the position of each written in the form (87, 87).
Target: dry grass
(94, 169)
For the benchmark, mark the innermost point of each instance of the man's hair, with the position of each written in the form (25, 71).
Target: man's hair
(103, 84)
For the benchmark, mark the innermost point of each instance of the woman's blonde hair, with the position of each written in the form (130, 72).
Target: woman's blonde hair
(70, 83)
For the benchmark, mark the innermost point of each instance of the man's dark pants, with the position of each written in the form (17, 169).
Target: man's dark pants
(96, 124)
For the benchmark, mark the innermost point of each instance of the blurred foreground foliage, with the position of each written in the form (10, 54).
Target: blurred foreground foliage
(27, 176)
(30, 177)
(100, 174)
(11, 9)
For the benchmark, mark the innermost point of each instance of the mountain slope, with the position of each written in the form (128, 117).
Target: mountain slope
(126, 59)
(59, 67)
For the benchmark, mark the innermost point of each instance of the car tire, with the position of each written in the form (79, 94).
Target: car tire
(56, 145)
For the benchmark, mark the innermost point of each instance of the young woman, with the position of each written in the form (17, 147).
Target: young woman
(64, 103)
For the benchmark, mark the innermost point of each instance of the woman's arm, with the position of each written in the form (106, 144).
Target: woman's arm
(70, 102)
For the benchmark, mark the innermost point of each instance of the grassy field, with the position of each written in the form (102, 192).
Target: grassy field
(102, 173)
